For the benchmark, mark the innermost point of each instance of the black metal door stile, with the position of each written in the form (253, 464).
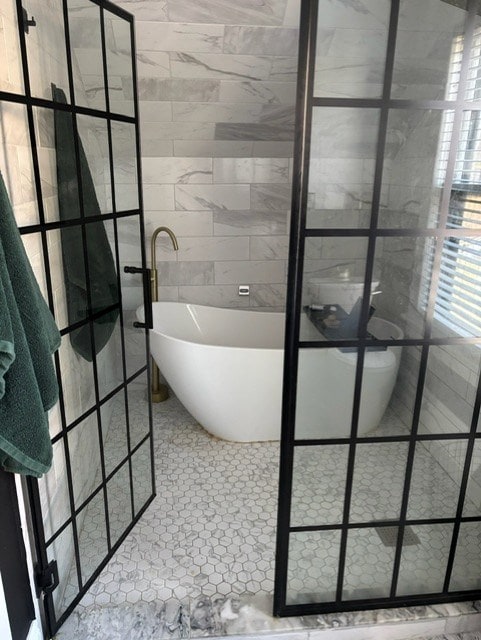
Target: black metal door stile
(46, 567)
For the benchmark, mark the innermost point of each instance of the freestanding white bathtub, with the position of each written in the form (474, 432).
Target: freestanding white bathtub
(225, 366)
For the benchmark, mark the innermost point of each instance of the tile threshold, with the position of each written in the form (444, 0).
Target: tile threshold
(246, 618)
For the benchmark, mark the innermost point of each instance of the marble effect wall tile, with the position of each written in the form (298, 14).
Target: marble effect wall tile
(270, 12)
(173, 36)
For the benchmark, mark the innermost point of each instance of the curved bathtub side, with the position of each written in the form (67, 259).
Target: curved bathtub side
(235, 394)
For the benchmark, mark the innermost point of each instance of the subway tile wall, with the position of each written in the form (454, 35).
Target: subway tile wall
(217, 83)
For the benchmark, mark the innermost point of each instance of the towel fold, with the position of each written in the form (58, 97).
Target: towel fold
(28, 338)
(101, 267)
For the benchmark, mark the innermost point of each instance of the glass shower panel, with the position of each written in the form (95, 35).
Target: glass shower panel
(467, 561)
(472, 503)
(92, 536)
(369, 564)
(16, 162)
(54, 495)
(341, 167)
(124, 153)
(78, 386)
(436, 479)
(85, 461)
(318, 482)
(313, 566)
(114, 431)
(351, 49)
(414, 167)
(378, 481)
(86, 52)
(427, 60)
(450, 389)
(46, 51)
(11, 75)
(141, 478)
(96, 180)
(119, 64)
(138, 399)
(119, 502)
(424, 558)
(325, 390)
(62, 550)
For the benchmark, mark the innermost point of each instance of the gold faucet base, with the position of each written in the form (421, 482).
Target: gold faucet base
(161, 394)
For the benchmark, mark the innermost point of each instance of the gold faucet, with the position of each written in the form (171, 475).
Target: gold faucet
(160, 392)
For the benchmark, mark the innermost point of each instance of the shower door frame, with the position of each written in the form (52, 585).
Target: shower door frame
(46, 576)
(306, 103)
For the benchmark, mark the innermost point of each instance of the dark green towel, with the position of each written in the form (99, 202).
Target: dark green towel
(28, 338)
(102, 274)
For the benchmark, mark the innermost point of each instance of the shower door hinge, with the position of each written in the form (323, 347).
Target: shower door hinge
(47, 579)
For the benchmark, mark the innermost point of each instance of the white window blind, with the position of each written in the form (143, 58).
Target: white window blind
(458, 299)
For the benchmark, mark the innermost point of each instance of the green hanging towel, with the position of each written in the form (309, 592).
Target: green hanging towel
(28, 338)
(101, 267)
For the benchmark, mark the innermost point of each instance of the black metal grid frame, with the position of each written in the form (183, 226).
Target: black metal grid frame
(55, 619)
(306, 103)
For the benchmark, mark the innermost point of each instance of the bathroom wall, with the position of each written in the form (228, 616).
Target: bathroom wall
(48, 64)
(217, 91)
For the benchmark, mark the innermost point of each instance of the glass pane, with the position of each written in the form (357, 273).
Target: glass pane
(369, 565)
(34, 249)
(77, 375)
(351, 49)
(318, 485)
(47, 58)
(62, 550)
(114, 431)
(472, 502)
(401, 269)
(457, 310)
(125, 166)
(109, 363)
(92, 536)
(11, 76)
(84, 449)
(138, 396)
(450, 389)
(467, 561)
(54, 496)
(392, 392)
(120, 504)
(436, 479)
(86, 51)
(142, 476)
(378, 481)
(96, 180)
(424, 557)
(333, 282)
(427, 61)
(119, 64)
(415, 157)
(132, 292)
(341, 167)
(313, 566)
(16, 162)
(324, 405)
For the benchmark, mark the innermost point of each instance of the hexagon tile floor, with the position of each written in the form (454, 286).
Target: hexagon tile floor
(209, 535)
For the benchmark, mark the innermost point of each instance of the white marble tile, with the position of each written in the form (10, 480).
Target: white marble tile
(213, 295)
(196, 197)
(158, 197)
(216, 65)
(381, 631)
(269, 247)
(152, 148)
(250, 170)
(151, 111)
(283, 69)
(270, 12)
(261, 40)
(292, 15)
(186, 273)
(218, 112)
(175, 36)
(216, 248)
(153, 64)
(263, 92)
(182, 89)
(273, 149)
(265, 196)
(190, 131)
(268, 295)
(213, 148)
(250, 272)
(249, 222)
(177, 170)
(182, 223)
(146, 9)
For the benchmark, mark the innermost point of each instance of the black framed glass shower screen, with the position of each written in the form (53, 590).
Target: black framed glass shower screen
(379, 503)
(70, 117)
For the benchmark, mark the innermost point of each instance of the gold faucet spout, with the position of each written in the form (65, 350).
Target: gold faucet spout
(160, 391)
